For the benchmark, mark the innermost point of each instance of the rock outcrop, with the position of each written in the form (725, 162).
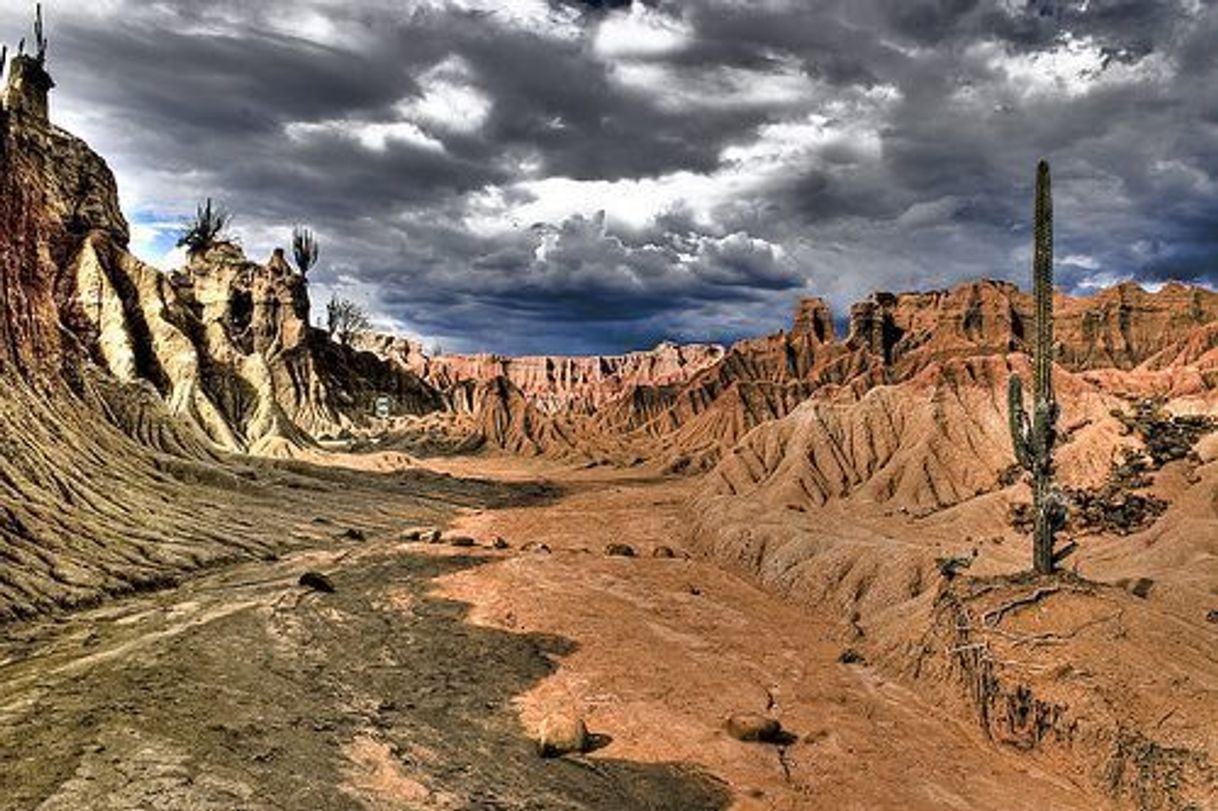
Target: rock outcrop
(122, 387)
(559, 384)
(683, 407)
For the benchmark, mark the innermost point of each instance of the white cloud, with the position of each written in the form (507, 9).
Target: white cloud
(844, 131)
(450, 103)
(537, 16)
(786, 142)
(633, 203)
(372, 135)
(450, 100)
(641, 32)
(1073, 67)
(1080, 260)
(679, 90)
(1099, 281)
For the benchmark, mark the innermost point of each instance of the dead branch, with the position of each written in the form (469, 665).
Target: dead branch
(995, 615)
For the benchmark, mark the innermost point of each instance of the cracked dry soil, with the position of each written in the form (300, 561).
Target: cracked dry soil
(240, 690)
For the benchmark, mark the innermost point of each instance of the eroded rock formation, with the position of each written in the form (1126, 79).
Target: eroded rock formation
(122, 388)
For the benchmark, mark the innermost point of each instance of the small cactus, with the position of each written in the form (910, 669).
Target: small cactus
(204, 231)
(40, 39)
(1033, 439)
(304, 249)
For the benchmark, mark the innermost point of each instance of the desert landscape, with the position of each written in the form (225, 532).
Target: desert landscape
(250, 562)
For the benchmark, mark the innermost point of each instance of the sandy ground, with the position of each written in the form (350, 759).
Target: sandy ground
(421, 681)
(667, 649)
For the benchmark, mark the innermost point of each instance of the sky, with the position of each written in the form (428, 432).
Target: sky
(563, 176)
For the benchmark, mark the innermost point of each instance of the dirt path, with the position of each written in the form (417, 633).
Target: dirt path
(417, 684)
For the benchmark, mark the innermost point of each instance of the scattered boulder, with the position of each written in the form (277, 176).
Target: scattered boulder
(850, 656)
(1141, 587)
(1138, 588)
(353, 534)
(754, 728)
(562, 733)
(317, 582)
(663, 552)
(949, 567)
(619, 550)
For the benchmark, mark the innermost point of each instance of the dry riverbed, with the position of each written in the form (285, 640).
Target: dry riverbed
(421, 680)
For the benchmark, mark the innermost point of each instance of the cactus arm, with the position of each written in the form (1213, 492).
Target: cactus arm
(1018, 420)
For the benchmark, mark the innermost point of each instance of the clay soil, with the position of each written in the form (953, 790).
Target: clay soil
(420, 682)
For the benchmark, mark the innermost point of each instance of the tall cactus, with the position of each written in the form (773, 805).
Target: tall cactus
(1034, 443)
(40, 39)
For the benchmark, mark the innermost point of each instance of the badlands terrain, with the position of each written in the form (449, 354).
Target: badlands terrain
(825, 530)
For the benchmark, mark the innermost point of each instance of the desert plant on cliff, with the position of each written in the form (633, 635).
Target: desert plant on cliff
(345, 319)
(40, 40)
(204, 231)
(305, 249)
(1034, 442)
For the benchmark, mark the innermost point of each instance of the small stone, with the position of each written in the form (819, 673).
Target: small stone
(663, 552)
(461, 540)
(353, 534)
(500, 543)
(417, 534)
(754, 728)
(619, 550)
(562, 733)
(852, 657)
(1212, 616)
(536, 546)
(317, 581)
(1141, 587)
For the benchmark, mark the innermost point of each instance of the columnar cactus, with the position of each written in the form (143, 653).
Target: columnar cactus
(40, 39)
(1034, 443)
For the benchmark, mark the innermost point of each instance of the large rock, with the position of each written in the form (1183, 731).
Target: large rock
(754, 728)
(562, 733)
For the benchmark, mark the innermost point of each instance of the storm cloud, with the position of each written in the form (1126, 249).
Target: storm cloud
(562, 176)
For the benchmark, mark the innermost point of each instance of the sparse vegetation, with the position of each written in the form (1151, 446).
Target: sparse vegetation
(1168, 437)
(304, 249)
(204, 231)
(1034, 442)
(345, 319)
(40, 40)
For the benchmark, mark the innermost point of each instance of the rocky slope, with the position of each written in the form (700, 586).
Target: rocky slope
(122, 389)
(864, 502)
(553, 383)
(683, 407)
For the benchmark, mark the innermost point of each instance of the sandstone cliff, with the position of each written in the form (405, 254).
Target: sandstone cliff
(122, 387)
(683, 407)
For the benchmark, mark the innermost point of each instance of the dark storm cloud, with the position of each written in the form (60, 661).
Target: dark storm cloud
(453, 154)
